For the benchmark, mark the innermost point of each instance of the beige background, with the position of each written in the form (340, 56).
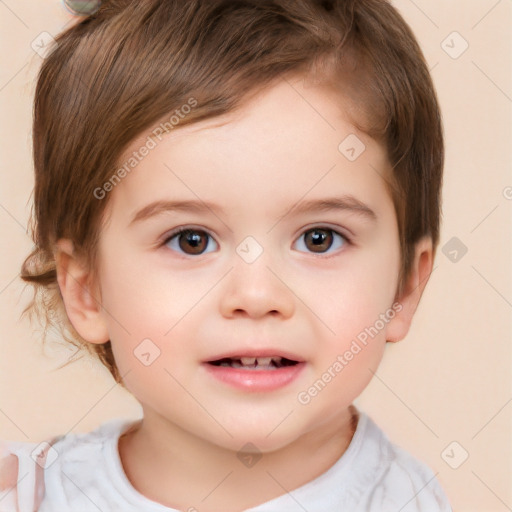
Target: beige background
(450, 380)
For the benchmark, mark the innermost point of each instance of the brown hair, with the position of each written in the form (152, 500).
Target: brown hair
(117, 72)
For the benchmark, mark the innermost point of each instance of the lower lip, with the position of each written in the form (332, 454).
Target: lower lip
(255, 380)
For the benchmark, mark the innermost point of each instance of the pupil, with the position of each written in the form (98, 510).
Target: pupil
(193, 240)
(321, 239)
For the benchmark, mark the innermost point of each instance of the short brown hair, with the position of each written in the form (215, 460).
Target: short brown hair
(117, 72)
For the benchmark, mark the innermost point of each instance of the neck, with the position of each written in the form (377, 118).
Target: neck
(173, 467)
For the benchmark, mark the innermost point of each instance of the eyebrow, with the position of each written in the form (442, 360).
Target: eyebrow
(164, 206)
(344, 203)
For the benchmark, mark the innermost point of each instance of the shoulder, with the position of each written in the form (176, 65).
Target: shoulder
(30, 471)
(393, 479)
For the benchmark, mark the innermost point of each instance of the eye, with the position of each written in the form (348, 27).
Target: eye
(320, 240)
(191, 241)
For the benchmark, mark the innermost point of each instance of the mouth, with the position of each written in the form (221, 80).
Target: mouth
(267, 363)
(257, 371)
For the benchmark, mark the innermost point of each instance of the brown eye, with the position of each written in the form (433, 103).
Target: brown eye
(321, 240)
(190, 241)
(318, 240)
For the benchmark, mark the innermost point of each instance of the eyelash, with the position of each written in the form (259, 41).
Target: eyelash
(178, 231)
(346, 241)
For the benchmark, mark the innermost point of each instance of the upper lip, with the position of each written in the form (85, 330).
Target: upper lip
(255, 352)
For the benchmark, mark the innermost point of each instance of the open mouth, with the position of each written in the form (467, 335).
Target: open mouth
(270, 371)
(254, 363)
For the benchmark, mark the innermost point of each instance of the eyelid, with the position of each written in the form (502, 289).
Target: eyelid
(325, 255)
(168, 235)
(344, 232)
(166, 238)
(180, 229)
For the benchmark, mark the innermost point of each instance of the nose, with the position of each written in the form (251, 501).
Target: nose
(255, 290)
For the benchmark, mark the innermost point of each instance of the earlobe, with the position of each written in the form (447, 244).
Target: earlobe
(83, 308)
(414, 286)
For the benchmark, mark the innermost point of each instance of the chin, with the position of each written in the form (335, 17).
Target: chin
(261, 438)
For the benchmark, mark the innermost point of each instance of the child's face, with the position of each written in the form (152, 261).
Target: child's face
(307, 296)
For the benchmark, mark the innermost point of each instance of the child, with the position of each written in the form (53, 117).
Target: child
(237, 205)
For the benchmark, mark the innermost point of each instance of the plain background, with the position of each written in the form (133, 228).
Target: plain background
(443, 392)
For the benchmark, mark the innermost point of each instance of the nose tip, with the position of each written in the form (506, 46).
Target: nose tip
(255, 291)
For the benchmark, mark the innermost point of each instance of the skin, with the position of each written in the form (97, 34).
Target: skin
(257, 163)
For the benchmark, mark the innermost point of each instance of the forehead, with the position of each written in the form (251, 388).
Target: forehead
(291, 136)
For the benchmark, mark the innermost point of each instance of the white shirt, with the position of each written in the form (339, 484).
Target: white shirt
(83, 473)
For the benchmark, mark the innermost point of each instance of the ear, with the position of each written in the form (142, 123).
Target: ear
(83, 307)
(420, 271)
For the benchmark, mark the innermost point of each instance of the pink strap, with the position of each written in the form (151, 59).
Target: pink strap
(39, 478)
(10, 475)
(8, 482)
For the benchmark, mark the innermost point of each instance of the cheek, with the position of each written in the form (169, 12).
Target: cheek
(355, 308)
(149, 315)
(147, 326)
(138, 299)
(355, 298)
(351, 348)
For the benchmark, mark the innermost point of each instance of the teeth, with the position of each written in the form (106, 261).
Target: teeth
(256, 362)
(262, 363)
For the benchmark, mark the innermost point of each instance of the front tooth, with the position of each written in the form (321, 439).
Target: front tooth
(248, 361)
(264, 361)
